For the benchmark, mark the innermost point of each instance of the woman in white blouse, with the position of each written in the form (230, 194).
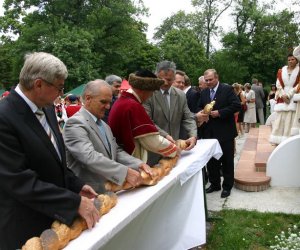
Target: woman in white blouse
(250, 114)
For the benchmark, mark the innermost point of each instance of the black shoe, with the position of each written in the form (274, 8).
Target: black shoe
(225, 193)
(212, 188)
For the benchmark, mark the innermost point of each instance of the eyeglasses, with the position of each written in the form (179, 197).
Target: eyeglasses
(60, 89)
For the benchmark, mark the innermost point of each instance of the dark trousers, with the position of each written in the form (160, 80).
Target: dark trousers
(226, 162)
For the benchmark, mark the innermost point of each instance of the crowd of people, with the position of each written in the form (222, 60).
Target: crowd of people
(57, 153)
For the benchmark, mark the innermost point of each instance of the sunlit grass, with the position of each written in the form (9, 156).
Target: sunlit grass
(243, 230)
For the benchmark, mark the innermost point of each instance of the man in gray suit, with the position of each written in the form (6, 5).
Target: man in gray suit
(259, 100)
(169, 110)
(92, 151)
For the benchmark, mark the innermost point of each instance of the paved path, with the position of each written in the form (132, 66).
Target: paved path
(274, 199)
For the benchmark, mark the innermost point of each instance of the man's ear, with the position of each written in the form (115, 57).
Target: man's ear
(37, 83)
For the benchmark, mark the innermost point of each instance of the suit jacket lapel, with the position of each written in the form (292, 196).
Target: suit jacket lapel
(173, 102)
(33, 123)
(94, 127)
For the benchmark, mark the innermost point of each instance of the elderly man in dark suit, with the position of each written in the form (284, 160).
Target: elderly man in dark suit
(219, 124)
(36, 187)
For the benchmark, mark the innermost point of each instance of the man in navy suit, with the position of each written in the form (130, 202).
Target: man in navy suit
(36, 187)
(219, 124)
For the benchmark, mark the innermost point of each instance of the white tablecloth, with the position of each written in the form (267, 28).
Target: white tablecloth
(169, 215)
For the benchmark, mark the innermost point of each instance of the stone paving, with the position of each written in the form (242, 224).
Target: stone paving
(274, 199)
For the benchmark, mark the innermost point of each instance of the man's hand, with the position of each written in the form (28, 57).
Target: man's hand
(170, 138)
(214, 113)
(88, 191)
(133, 177)
(88, 211)
(191, 142)
(147, 169)
(201, 117)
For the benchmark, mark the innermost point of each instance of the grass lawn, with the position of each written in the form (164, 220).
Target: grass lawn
(243, 230)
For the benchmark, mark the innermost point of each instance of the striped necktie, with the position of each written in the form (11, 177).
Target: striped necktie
(43, 120)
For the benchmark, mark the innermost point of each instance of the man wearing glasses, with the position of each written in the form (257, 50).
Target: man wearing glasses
(36, 187)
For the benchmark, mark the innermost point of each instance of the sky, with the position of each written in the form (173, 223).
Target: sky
(159, 10)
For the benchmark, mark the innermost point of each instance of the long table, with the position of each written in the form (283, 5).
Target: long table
(169, 215)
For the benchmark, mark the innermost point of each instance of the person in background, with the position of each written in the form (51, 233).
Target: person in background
(115, 82)
(169, 111)
(192, 95)
(36, 186)
(138, 134)
(92, 151)
(265, 100)
(202, 83)
(295, 130)
(179, 80)
(287, 79)
(220, 125)
(73, 105)
(259, 101)
(240, 116)
(250, 114)
(4, 94)
(271, 97)
(60, 111)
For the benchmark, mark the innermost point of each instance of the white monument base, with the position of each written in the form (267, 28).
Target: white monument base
(283, 165)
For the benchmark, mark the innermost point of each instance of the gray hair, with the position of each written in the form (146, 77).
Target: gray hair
(201, 78)
(113, 78)
(165, 66)
(211, 71)
(93, 87)
(41, 65)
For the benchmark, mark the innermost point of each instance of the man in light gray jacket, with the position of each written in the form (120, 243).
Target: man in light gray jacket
(169, 110)
(92, 151)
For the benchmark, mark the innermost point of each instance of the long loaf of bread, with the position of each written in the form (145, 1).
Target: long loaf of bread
(60, 234)
(160, 170)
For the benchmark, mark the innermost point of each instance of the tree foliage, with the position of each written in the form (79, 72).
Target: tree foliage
(93, 38)
(260, 41)
(183, 47)
(99, 37)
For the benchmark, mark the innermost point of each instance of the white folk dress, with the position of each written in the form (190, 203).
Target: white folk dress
(285, 113)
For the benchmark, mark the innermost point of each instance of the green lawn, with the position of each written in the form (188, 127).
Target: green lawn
(243, 230)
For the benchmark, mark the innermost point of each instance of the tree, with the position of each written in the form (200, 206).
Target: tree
(94, 38)
(210, 11)
(183, 47)
(260, 41)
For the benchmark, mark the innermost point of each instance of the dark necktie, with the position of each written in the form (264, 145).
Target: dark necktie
(212, 94)
(43, 120)
(167, 101)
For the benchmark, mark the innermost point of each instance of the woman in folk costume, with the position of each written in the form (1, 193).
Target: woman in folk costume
(296, 125)
(134, 130)
(285, 107)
